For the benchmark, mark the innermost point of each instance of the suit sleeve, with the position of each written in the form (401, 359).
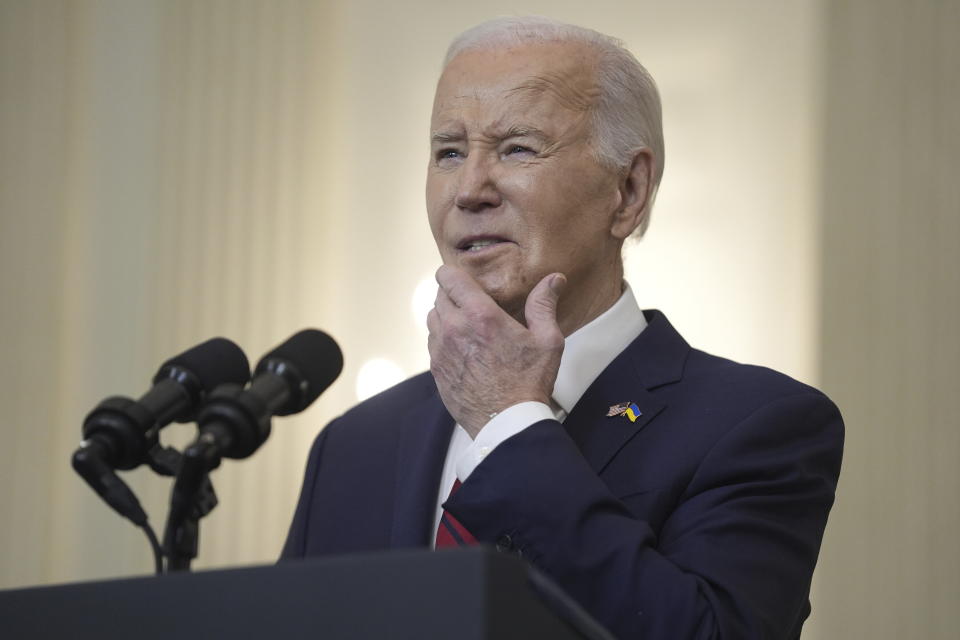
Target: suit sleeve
(734, 558)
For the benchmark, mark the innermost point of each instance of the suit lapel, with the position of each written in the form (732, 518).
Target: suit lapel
(423, 446)
(600, 437)
(656, 357)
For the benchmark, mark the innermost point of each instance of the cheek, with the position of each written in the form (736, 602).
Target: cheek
(436, 223)
(437, 203)
(522, 182)
(567, 223)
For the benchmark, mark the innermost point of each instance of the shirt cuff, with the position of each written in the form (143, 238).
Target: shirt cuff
(505, 424)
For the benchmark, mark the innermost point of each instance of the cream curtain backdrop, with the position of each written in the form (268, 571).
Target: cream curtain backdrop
(890, 564)
(173, 170)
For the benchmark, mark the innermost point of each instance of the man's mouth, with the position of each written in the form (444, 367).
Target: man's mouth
(478, 243)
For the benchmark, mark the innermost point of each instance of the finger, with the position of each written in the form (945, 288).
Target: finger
(431, 346)
(540, 310)
(460, 287)
(433, 322)
(444, 305)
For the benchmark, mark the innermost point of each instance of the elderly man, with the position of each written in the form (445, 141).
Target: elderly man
(673, 493)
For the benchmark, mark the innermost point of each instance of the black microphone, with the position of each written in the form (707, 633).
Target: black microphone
(119, 432)
(124, 430)
(236, 421)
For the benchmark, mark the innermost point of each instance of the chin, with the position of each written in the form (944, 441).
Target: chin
(501, 283)
(507, 295)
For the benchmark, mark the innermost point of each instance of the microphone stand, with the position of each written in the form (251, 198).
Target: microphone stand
(192, 498)
(233, 424)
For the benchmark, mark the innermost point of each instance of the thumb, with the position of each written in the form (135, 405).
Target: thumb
(540, 310)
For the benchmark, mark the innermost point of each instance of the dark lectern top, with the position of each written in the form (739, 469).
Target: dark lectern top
(468, 594)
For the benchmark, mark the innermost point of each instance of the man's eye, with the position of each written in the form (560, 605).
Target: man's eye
(518, 148)
(446, 154)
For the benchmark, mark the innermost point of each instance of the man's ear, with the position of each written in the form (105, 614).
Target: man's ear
(636, 191)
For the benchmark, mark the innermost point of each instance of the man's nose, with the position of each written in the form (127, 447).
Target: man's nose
(477, 189)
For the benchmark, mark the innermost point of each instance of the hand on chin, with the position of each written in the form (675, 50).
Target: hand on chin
(481, 360)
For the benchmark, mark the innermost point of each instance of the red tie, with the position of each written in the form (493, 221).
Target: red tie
(451, 533)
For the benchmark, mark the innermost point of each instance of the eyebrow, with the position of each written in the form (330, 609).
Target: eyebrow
(445, 137)
(522, 131)
(516, 131)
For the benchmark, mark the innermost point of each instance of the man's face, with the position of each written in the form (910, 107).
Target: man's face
(514, 192)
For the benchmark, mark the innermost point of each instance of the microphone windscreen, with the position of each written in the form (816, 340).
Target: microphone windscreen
(317, 359)
(214, 362)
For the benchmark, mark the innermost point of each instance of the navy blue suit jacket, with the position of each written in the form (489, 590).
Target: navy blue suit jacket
(702, 519)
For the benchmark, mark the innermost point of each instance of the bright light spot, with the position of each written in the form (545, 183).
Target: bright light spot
(422, 301)
(376, 375)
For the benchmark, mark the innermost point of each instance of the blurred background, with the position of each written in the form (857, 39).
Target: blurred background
(174, 170)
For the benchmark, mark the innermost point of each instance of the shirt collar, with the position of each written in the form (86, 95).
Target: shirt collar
(591, 348)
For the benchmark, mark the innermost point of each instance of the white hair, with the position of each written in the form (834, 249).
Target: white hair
(627, 115)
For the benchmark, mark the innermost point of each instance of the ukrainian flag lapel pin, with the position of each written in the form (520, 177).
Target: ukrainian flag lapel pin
(628, 409)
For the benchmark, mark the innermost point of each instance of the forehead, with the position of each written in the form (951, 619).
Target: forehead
(548, 78)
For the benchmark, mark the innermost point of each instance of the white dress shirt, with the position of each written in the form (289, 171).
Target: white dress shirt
(586, 353)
